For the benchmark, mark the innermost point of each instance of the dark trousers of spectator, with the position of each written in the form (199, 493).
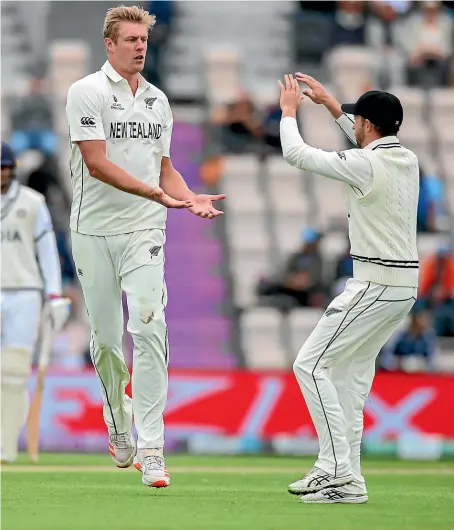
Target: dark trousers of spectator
(431, 74)
(444, 318)
(301, 298)
(154, 65)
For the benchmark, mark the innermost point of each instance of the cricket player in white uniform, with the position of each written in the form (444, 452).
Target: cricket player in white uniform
(123, 179)
(335, 367)
(30, 277)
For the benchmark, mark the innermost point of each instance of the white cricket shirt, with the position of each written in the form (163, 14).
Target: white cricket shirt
(381, 186)
(137, 130)
(29, 251)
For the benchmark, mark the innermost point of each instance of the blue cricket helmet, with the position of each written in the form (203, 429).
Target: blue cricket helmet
(8, 157)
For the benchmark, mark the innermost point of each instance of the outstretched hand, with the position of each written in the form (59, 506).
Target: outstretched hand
(290, 95)
(158, 195)
(202, 205)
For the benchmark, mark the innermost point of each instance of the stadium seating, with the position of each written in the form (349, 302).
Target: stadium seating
(275, 201)
(301, 323)
(352, 69)
(203, 27)
(269, 201)
(262, 343)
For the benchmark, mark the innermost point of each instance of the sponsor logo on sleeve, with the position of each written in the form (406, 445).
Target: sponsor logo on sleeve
(87, 121)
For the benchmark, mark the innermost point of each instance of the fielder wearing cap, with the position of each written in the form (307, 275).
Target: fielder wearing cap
(335, 367)
(382, 109)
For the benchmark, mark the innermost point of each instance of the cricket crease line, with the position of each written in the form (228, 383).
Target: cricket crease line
(211, 469)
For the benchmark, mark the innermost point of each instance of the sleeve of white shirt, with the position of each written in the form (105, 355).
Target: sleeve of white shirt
(167, 131)
(350, 166)
(84, 113)
(346, 123)
(47, 252)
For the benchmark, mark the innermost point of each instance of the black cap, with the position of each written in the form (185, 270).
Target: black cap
(381, 108)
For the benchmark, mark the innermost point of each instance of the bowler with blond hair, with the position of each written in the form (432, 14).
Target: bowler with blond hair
(120, 129)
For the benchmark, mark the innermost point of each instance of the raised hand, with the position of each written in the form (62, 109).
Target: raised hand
(317, 93)
(202, 205)
(290, 95)
(158, 195)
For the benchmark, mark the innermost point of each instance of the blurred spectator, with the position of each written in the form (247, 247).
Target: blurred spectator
(237, 126)
(159, 36)
(430, 204)
(44, 179)
(382, 35)
(313, 33)
(449, 4)
(328, 8)
(349, 23)
(300, 283)
(413, 349)
(343, 270)
(427, 38)
(32, 122)
(271, 128)
(67, 268)
(436, 289)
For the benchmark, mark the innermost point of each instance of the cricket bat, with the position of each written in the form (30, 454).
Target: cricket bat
(34, 415)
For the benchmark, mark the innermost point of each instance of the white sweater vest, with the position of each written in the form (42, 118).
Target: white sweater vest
(20, 269)
(382, 223)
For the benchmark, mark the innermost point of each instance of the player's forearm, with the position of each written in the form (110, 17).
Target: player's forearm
(344, 122)
(293, 146)
(174, 184)
(334, 107)
(111, 174)
(356, 172)
(49, 262)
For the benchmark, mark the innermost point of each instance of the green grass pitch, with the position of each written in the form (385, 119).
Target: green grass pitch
(85, 492)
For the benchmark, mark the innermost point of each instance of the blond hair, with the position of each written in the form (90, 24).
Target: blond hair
(123, 13)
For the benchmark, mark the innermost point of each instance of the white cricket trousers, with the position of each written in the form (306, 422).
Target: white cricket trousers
(336, 366)
(20, 318)
(133, 263)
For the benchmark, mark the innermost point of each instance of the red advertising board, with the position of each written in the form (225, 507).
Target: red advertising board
(262, 405)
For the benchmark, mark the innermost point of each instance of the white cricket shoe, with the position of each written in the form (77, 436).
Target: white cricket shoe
(122, 449)
(154, 471)
(353, 493)
(317, 480)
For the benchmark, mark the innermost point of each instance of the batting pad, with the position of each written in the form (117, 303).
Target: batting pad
(16, 369)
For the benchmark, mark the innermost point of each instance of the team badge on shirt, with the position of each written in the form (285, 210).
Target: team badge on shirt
(149, 102)
(332, 311)
(154, 251)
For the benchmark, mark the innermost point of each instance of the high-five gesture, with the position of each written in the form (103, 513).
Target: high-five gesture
(202, 205)
(290, 96)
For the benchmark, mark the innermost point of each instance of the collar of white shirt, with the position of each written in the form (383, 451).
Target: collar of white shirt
(13, 190)
(385, 141)
(114, 76)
